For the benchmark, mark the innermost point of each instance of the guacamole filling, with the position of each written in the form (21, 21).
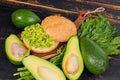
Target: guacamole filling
(36, 36)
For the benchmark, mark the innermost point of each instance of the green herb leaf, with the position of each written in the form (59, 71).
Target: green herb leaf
(57, 60)
(99, 30)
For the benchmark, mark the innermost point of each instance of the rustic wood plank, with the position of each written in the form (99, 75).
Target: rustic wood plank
(111, 6)
(42, 6)
(113, 2)
(72, 7)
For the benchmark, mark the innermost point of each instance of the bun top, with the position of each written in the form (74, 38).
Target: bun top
(59, 27)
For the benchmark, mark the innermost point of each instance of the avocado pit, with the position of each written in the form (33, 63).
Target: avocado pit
(72, 65)
(18, 50)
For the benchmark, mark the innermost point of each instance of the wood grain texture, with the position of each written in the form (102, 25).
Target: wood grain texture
(71, 7)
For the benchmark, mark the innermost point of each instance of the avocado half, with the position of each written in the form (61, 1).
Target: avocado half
(42, 69)
(15, 49)
(72, 63)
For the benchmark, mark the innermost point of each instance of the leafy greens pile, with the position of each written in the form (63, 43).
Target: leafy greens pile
(99, 30)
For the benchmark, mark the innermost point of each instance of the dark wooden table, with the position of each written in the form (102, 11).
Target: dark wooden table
(67, 8)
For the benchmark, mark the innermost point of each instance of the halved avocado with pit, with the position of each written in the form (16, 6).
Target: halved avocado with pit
(15, 49)
(72, 63)
(42, 69)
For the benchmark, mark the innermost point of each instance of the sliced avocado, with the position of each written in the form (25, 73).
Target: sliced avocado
(72, 63)
(15, 49)
(95, 59)
(42, 69)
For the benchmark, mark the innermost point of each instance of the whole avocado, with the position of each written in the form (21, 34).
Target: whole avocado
(24, 17)
(95, 59)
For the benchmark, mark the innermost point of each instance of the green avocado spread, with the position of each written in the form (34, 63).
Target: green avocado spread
(37, 37)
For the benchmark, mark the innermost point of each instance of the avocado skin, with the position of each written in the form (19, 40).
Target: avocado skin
(95, 59)
(73, 48)
(12, 38)
(23, 17)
